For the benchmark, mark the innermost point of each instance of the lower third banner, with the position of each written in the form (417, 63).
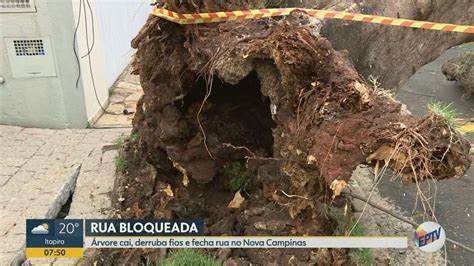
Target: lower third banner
(245, 242)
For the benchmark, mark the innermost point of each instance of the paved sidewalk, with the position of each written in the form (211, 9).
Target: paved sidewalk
(35, 164)
(379, 223)
(122, 101)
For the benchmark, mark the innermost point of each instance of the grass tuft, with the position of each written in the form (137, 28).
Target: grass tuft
(446, 111)
(119, 141)
(361, 256)
(358, 256)
(119, 164)
(133, 137)
(238, 176)
(186, 256)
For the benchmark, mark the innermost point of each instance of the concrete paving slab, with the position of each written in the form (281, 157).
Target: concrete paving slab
(124, 96)
(32, 177)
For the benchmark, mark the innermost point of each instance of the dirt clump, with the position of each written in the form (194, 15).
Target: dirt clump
(461, 69)
(271, 95)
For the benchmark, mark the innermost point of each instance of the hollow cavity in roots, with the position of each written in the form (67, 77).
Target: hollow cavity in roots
(235, 120)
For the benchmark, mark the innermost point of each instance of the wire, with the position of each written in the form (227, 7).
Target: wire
(399, 217)
(89, 49)
(89, 56)
(93, 29)
(74, 44)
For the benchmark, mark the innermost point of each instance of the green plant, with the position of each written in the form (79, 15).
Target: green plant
(238, 177)
(446, 111)
(359, 256)
(186, 256)
(119, 164)
(120, 140)
(133, 137)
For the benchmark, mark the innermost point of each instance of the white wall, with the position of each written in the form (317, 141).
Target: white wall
(55, 101)
(119, 23)
(97, 59)
(116, 22)
(47, 102)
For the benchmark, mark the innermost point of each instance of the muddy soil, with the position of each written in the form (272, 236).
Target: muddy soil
(271, 95)
(461, 69)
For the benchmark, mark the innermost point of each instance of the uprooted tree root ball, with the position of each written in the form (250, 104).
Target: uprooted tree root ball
(274, 96)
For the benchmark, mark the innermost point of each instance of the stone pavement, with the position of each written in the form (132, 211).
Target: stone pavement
(124, 96)
(35, 164)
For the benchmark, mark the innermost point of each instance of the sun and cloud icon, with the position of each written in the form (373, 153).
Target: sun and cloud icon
(41, 229)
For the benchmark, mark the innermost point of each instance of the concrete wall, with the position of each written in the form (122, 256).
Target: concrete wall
(119, 22)
(52, 102)
(94, 83)
(55, 102)
(115, 24)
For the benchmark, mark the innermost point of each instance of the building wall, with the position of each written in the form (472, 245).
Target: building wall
(115, 24)
(119, 22)
(95, 83)
(49, 102)
(55, 102)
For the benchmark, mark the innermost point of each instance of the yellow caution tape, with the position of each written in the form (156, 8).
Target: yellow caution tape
(197, 18)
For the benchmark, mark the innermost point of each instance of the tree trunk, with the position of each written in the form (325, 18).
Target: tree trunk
(273, 95)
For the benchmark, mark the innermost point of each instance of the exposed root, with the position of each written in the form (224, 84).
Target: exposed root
(275, 94)
(198, 115)
(293, 196)
(378, 179)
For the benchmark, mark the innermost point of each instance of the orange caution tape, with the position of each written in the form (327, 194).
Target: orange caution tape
(197, 18)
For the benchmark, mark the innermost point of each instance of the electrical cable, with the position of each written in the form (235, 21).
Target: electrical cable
(401, 218)
(89, 57)
(93, 29)
(74, 44)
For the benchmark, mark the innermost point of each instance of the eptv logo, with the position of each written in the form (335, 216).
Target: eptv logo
(430, 237)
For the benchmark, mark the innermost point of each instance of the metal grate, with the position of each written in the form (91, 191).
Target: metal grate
(29, 47)
(17, 6)
(30, 57)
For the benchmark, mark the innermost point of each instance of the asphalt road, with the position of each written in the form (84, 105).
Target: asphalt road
(454, 206)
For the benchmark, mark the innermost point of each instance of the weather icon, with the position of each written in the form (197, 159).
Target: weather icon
(41, 229)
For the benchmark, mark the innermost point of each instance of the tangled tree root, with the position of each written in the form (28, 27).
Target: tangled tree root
(275, 95)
